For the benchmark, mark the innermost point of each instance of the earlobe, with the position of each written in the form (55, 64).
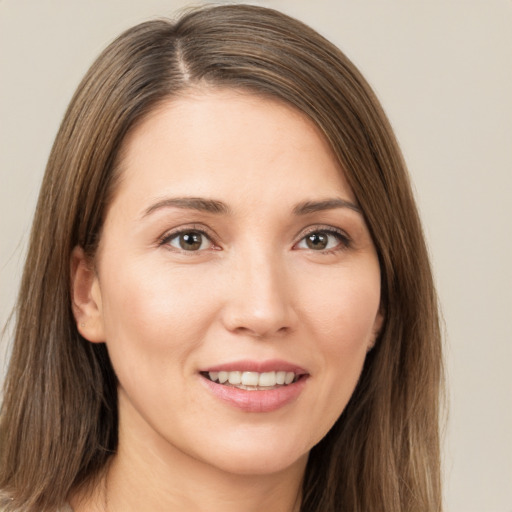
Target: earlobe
(86, 297)
(377, 327)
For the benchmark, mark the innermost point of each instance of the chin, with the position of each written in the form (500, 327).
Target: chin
(250, 465)
(250, 457)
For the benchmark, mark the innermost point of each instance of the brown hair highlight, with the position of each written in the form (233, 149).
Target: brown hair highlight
(58, 426)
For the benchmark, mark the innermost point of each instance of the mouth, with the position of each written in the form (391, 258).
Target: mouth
(256, 386)
(254, 381)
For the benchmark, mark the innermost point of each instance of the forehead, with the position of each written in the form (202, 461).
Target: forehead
(215, 140)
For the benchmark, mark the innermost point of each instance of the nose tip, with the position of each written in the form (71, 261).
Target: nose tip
(260, 304)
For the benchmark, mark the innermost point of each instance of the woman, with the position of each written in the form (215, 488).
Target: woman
(227, 299)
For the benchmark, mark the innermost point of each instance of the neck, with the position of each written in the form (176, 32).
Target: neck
(193, 487)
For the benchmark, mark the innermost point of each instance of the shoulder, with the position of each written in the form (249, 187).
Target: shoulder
(5, 506)
(4, 503)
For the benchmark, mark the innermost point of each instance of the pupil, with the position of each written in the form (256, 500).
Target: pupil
(317, 241)
(190, 241)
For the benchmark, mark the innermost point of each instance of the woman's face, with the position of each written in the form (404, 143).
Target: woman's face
(233, 249)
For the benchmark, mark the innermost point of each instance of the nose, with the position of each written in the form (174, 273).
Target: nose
(260, 302)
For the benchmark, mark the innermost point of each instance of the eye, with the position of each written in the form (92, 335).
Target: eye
(190, 240)
(323, 240)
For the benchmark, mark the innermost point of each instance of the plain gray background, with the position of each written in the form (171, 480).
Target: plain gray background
(443, 71)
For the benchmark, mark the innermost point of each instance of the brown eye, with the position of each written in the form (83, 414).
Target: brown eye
(323, 240)
(317, 241)
(189, 241)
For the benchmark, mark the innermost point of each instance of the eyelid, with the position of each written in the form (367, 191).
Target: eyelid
(198, 228)
(342, 235)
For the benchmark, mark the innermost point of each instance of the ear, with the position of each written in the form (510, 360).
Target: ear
(86, 297)
(377, 327)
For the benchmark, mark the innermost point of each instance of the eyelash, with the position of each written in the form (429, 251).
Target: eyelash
(343, 239)
(166, 239)
(341, 236)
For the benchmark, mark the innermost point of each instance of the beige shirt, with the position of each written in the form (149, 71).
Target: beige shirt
(3, 507)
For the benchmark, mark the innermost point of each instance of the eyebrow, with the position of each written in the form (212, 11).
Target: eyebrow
(326, 204)
(218, 207)
(190, 203)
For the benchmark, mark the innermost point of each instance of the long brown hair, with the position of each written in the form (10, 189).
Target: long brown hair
(59, 416)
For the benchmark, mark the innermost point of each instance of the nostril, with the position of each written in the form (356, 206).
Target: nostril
(256, 332)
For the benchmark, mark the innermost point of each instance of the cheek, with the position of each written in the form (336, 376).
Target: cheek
(343, 309)
(343, 330)
(152, 318)
(341, 317)
(147, 297)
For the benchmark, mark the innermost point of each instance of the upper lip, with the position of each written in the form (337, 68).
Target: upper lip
(271, 365)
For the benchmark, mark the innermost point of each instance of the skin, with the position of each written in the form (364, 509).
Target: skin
(254, 290)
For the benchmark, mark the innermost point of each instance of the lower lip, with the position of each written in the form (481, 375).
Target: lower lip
(256, 400)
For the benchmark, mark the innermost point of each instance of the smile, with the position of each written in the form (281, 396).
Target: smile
(253, 381)
(256, 386)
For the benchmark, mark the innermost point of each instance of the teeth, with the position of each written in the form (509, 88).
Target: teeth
(235, 378)
(267, 379)
(251, 380)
